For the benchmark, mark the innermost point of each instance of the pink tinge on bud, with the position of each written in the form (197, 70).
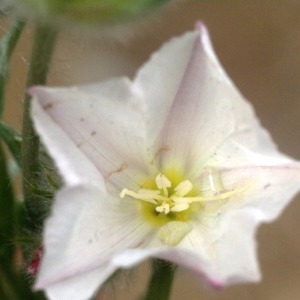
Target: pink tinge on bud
(33, 267)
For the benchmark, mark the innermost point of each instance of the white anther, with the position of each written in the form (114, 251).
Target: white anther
(180, 207)
(183, 188)
(163, 183)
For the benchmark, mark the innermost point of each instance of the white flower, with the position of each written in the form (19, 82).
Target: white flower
(173, 164)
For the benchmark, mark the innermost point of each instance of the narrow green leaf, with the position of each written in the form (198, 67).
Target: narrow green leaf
(13, 140)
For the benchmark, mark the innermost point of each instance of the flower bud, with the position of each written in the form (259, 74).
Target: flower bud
(87, 12)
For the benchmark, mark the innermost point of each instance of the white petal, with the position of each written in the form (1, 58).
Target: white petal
(173, 232)
(270, 188)
(235, 257)
(250, 145)
(207, 111)
(73, 165)
(80, 287)
(158, 80)
(104, 122)
(87, 227)
(223, 252)
(201, 116)
(187, 257)
(227, 246)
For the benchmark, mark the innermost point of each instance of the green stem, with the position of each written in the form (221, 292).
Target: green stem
(7, 45)
(7, 212)
(161, 282)
(43, 47)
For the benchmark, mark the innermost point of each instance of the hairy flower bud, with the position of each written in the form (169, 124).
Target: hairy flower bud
(89, 12)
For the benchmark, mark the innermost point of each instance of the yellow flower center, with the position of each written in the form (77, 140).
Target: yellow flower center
(170, 201)
(164, 203)
(166, 198)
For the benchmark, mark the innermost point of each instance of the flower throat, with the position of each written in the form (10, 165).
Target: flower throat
(171, 197)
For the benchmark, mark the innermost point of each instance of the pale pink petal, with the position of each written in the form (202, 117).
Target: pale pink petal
(87, 227)
(222, 252)
(227, 245)
(188, 258)
(72, 163)
(234, 256)
(268, 189)
(158, 80)
(247, 148)
(81, 286)
(104, 122)
(207, 111)
(201, 116)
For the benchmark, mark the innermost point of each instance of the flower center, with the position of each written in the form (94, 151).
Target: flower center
(170, 201)
(163, 197)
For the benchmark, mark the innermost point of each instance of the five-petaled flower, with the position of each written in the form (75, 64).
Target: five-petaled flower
(173, 165)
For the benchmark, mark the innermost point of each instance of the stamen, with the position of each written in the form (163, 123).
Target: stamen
(144, 197)
(180, 207)
(220, 196)
(177, 201)
(183, 188)
(163, 183)
(147, 191)
(173, 209)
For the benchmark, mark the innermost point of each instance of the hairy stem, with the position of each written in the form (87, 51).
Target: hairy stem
(43, 47)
